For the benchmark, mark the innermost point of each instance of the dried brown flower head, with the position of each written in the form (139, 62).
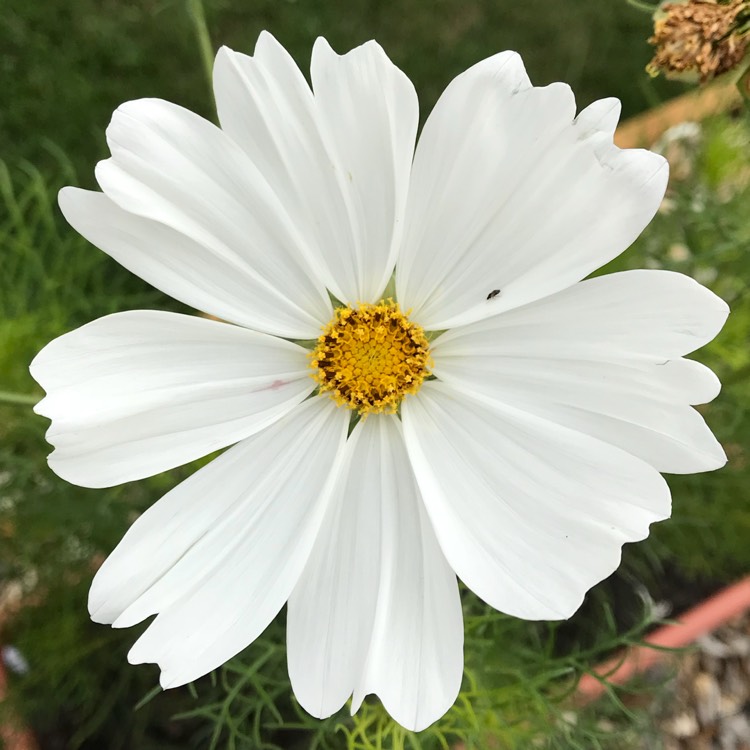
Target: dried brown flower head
(704, 37)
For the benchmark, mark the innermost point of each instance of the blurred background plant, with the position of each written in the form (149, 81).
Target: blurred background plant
(64, 66)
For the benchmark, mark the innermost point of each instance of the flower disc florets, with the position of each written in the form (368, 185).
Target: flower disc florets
(370, 357)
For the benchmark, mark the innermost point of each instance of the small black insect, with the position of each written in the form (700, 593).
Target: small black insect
(494, 293)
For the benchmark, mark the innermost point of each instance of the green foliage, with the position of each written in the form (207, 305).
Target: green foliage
(51, 280)
(65, 66)
(516, 692)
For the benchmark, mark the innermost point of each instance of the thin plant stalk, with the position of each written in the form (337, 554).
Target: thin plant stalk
(197, 15)
(644, 6)
(23, 399)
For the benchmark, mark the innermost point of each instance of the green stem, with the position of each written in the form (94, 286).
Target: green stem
(198, 17)
(26, 399)
(645, 7)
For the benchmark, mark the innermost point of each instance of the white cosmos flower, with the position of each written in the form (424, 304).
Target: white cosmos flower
(528, 446)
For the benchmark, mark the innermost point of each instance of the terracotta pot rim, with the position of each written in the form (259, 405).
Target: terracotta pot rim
(704, 618)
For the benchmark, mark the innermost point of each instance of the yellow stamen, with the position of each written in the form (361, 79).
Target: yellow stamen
(370, 357)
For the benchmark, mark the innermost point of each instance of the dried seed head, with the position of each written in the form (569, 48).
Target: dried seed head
(700, 37)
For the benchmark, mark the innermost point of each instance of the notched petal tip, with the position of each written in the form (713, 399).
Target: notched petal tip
(41, 406)
(168, 682)
(128, 120)
(66, 196)
(600, 116)
(505, 68)
(135, 107)
(98, 597)
(169, 677)
(323, 52)
(721, 458)
(266, 40)
(223, 57)
(321, 44)
(564, 96)
(721, 306)
(370, 47)
(136, 655)
(74, 204)
(74, 474)
(654, 166)
(102, 170)
(568, 612)
(226, 65)
(710, 390)
(268, 48)
(36, 367)
(644, 168)
(97, 612)
(715, 309)
(712, 457)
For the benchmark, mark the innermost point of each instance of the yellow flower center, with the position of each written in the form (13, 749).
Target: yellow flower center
(370, 357)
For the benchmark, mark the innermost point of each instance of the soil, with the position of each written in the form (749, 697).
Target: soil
(706, 704)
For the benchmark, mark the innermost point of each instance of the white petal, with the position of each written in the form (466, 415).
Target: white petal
(332, 608)
(136, 393)
(193, 273)
(377, 609)
(173, 167)
(415, 661)
(642, 409)
(267, 107)
(598, 358)
(218, 555)
(510, 193)
(647, 316)
(370, 109)
(529, 514)
(339, 161)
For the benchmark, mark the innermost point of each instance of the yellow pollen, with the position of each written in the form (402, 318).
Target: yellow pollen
(370, 357)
